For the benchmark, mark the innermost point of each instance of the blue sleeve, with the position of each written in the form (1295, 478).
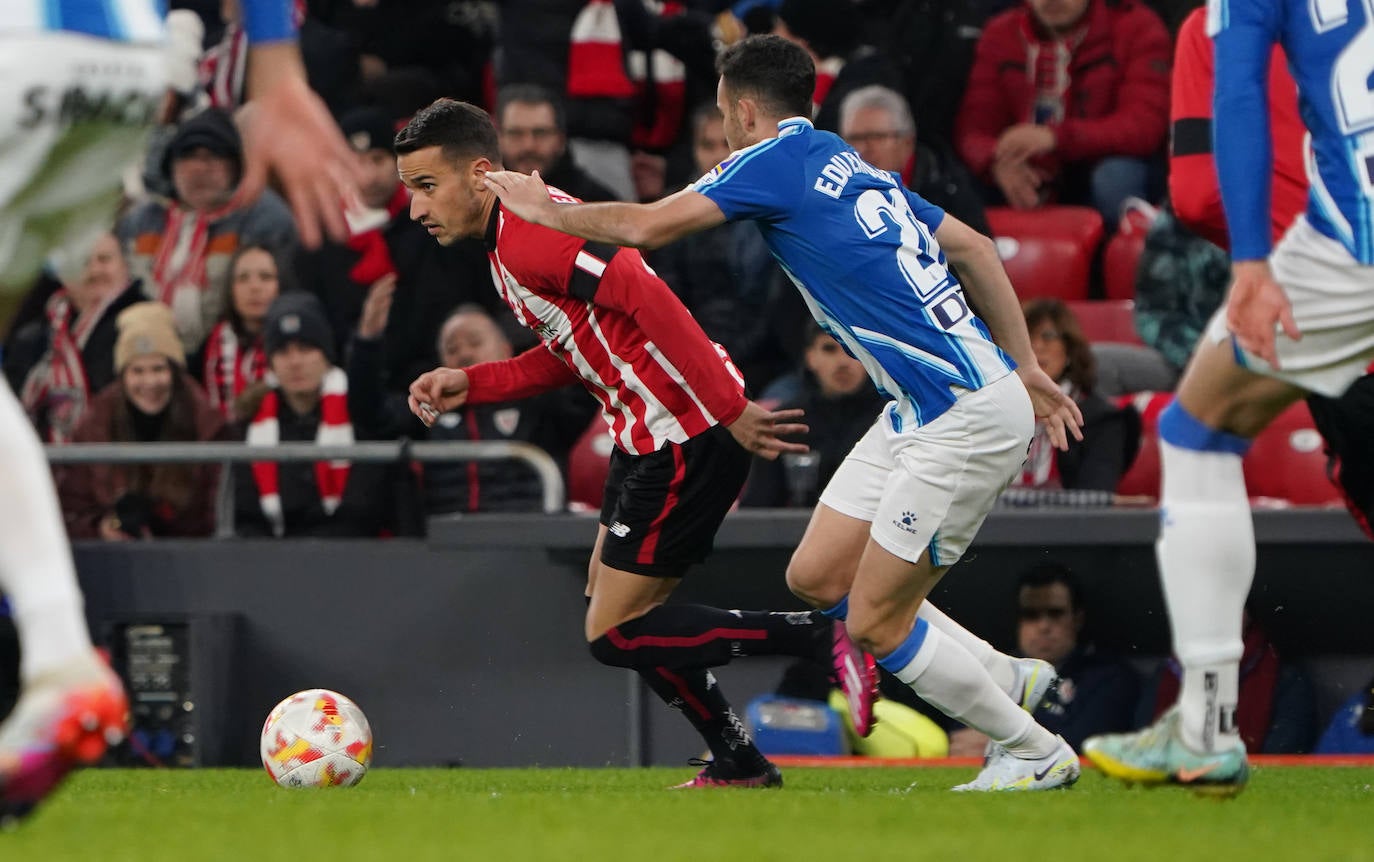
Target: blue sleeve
(268, 20)
(1243, 32)
(759, 182)
(926, 212)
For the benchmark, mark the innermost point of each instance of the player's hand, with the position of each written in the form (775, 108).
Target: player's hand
(289, 133)
(436, 392)
(523, 194)
(1255, 306)
(760, 430)
(1056, 409)
(1019, 182)
(1025, 141)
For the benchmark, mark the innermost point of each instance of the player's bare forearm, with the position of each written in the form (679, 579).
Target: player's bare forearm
(987, 285)
(624, 224)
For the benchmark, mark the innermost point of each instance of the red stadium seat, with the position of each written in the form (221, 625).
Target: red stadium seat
(1288, 461)
(1047, 252)
(589, 461)
(1107, 320)
(1122, 255)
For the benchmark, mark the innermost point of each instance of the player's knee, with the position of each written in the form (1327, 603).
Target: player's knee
(605, 651)
(811, 583)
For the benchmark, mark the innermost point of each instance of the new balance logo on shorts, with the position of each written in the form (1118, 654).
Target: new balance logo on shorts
(620, 530)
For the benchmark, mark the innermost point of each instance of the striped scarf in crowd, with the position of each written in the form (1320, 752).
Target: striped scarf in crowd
(231, 367)
(335, 429)
(600, 67)
(57, 386)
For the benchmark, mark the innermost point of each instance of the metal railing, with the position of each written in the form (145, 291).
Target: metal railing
(373, 452)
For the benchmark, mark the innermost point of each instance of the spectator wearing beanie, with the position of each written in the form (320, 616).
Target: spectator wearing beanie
(151, 399)
(307, 403)
(181, 246)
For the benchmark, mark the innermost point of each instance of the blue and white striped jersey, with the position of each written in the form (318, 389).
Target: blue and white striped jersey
(137, 21)
(862, 251)
(1330, 49)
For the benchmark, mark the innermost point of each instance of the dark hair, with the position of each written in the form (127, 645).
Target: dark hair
(285, 281)
(463, 131)
(1049, 573)
(776, 73)
(530, 94)
(1082, 369)
(175, 483)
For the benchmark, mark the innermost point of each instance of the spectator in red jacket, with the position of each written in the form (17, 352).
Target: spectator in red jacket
(1067, 101)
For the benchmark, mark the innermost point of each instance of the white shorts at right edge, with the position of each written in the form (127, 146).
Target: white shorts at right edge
(1332, 296)
(930, 487)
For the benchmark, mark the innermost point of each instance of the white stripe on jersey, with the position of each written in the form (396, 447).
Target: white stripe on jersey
(141, 20)
(536, 306)
(908, 350)
(23, 15)
(134, 20)
(671, 371)
(662, 429)
(1323, 197)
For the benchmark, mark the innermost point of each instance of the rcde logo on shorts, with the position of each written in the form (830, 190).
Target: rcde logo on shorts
(906, 522)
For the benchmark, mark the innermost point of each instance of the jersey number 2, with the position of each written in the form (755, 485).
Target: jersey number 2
(918, 255)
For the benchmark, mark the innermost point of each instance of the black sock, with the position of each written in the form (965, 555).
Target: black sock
(695, 693)
(682, 636)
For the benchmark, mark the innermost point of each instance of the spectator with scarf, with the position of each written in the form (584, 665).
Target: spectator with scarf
(1068, 101)
(386, 248)
(153, 399)
(308, 403)
(233, 358)
(181, 247)
(57, 363)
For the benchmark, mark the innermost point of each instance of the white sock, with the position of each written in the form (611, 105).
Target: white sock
(1206, 554)
(949, 678)
(36, 571)
(998, 664)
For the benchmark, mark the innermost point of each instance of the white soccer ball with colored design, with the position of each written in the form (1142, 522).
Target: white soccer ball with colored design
(316, 738)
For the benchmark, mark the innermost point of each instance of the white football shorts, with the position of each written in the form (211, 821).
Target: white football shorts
(930, 487)
(1332, 296)
(75, 111)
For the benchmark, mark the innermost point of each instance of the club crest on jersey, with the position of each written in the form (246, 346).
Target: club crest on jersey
(506, 420)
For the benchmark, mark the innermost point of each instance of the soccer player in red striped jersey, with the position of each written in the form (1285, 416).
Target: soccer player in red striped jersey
(676, 409)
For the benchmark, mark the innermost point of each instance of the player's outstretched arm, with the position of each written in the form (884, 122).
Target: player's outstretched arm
(761, 431)
(289, 133)
(981, 272)
(633, 225)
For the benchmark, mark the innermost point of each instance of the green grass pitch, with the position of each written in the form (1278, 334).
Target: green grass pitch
(620, 815)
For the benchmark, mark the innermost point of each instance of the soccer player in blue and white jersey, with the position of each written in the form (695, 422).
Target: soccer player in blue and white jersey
(869, 258)
(1317, 287)
(80, 86)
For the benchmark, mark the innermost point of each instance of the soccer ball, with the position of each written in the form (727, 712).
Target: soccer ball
(316, 738)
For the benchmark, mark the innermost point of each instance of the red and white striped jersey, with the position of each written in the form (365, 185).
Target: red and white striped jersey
(604, 314)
